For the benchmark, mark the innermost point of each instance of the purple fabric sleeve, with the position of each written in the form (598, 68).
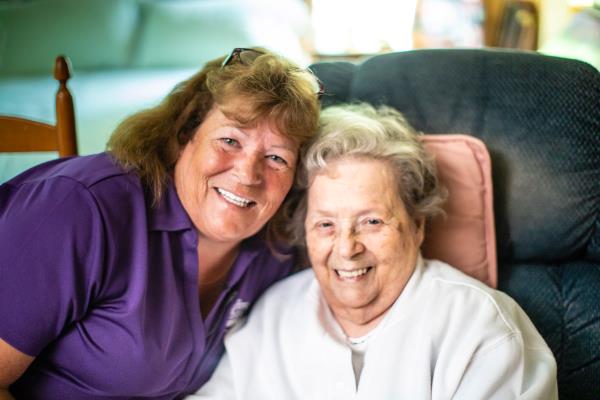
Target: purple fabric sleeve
(51, 249)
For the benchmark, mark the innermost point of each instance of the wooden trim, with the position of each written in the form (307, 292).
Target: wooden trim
(16, 135)
(65, 114)
(25, 135)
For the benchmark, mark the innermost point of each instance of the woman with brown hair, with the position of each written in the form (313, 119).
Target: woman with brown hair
(121, 272)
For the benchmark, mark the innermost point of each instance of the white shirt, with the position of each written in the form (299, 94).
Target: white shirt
(446, 336)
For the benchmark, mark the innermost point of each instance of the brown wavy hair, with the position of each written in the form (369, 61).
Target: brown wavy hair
(270, 88)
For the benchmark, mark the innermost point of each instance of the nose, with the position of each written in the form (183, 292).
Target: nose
(349, 244)
(249, 169)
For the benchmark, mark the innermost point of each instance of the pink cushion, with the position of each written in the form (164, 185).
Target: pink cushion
(465, 237)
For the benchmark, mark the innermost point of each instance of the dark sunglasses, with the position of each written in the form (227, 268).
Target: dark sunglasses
(247, 56)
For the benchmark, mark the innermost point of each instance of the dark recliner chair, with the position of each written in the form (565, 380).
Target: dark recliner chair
(540, 119)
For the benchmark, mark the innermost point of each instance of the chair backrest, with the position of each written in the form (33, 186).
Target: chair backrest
(24, 135)
(539, 117)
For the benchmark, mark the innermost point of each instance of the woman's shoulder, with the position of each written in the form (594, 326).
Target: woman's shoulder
(73, 191)
(292, 289)
(83, 172)
(447, 275)
(284, 308)
(283, 297)
(453, 290)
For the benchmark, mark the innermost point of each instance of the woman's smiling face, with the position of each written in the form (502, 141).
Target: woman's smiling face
(231, 179)
(362, 244)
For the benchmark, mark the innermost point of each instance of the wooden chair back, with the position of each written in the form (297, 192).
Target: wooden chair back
(25, 135)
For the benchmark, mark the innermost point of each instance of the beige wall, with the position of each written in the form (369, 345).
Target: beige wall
(554, 16)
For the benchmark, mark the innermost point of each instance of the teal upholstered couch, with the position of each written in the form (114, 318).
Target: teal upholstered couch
(126, 54)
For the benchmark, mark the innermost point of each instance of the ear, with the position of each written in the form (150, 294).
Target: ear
(419, 231)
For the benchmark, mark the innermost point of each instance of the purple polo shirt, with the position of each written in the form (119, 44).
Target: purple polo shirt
(102, 288)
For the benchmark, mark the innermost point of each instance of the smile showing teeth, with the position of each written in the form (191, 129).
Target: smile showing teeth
(233, 199)
(352, 274)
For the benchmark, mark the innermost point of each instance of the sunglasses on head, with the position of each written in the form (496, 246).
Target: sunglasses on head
(247, 56)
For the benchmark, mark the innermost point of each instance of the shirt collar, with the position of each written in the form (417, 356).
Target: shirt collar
(250, 248)
(168, 214)
(408, 296)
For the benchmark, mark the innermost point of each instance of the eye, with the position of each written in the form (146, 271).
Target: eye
(277, 160)
(324, 226)
(229, 142)
(321, 227)
(371, 224)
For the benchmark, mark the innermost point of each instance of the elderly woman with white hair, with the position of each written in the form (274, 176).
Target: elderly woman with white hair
(372, 319)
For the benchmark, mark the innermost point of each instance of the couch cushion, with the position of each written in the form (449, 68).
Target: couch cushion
(92, 33)
(465, 236)
(562, 301)
(187, 33)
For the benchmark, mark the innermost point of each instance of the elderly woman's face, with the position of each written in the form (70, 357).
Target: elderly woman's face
(231, 180)
(362, 244)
